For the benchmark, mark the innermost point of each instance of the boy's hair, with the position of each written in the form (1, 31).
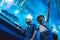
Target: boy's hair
(28, 21)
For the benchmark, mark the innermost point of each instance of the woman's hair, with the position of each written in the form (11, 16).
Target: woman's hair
(40, 16)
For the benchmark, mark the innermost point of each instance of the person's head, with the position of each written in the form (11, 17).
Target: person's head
(28, 21)
(40, 19)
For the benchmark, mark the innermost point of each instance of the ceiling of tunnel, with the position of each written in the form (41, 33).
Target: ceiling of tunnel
(22, 8)
(19, 10)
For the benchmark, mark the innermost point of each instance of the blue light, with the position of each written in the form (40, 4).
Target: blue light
(29, 16)
(23, 9)
(54, 29)
(16, 12)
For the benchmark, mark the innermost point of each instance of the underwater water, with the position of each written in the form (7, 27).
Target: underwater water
(18, 10)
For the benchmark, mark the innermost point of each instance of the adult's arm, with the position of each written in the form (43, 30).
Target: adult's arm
(48, 14)
(33, 35)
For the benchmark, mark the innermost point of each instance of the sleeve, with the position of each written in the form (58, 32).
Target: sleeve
(35, 27)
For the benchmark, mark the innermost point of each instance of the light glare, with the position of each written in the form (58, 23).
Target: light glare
(16, 11)
(29, 16)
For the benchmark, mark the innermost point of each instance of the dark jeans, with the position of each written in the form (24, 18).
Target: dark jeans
(46, 35)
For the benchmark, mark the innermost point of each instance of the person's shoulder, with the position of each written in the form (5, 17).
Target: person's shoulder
(32, 24)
